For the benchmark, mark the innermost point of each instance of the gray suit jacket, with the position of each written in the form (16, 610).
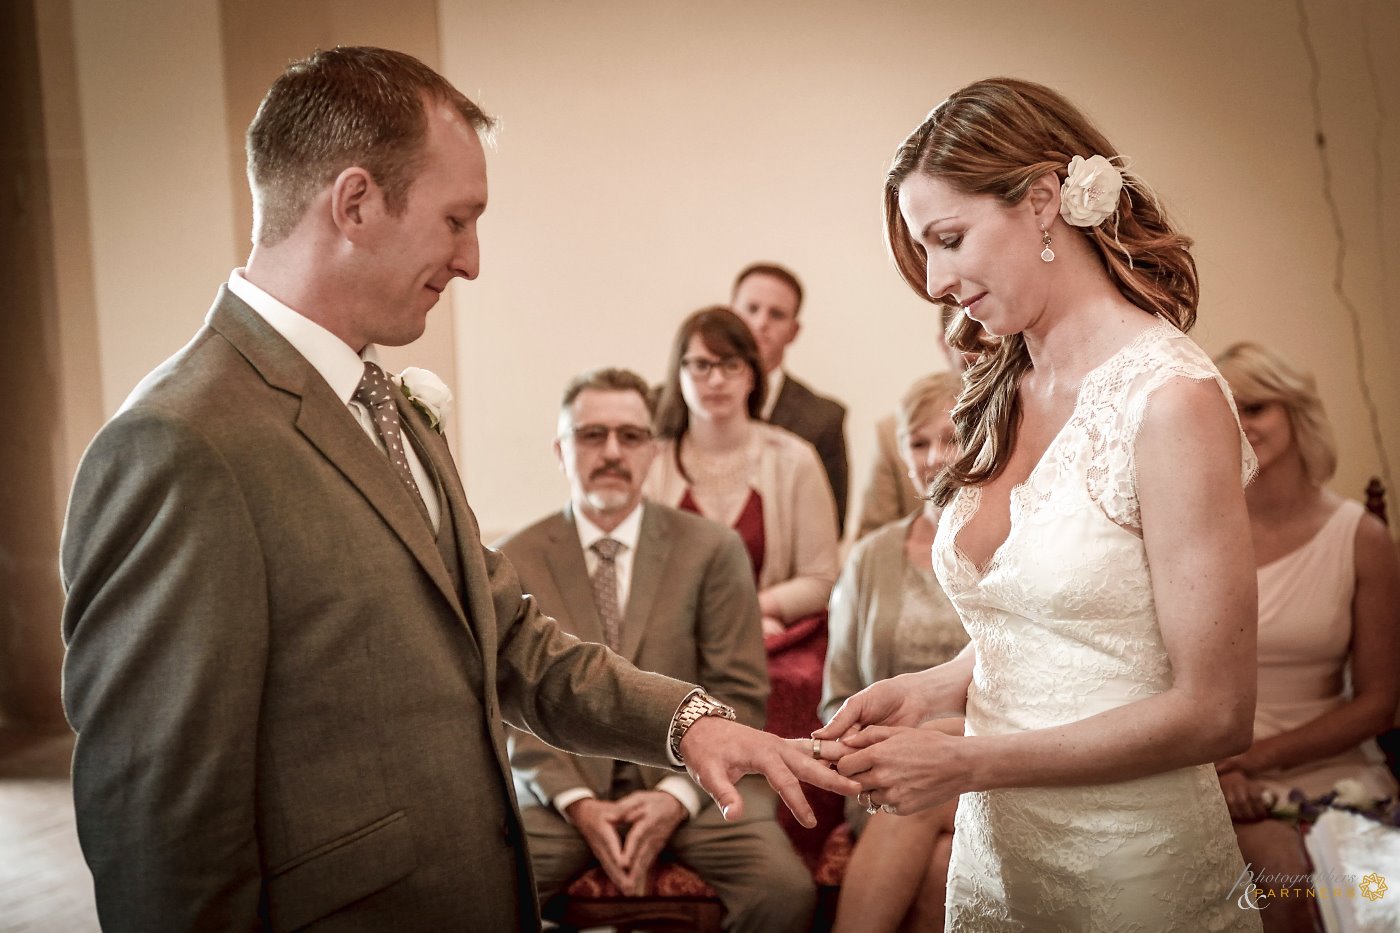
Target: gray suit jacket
(288, 696)
(821, 422)
(692, 613)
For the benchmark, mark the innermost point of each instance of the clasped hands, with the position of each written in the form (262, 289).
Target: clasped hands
(892, 750)
(884, 739)
(1248, 799)
(628, 834)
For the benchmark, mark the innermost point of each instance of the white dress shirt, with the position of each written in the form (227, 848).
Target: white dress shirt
(338, 364)
(627, 534)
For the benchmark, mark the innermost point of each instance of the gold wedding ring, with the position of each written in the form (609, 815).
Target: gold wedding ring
(817, 749)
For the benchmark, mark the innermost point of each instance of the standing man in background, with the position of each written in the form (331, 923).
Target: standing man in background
(768, 297)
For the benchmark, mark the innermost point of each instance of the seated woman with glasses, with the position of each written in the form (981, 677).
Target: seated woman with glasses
(718, 459)
(889, 616)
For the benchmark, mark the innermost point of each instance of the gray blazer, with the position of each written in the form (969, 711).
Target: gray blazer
(692, 613)
(288, 695)
(821, 422)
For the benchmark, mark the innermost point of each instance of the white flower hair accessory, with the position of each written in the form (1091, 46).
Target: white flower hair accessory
(1089, 195)
(427, 393)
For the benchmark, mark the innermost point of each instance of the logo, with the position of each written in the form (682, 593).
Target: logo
(1373, 887)
(1252, 898)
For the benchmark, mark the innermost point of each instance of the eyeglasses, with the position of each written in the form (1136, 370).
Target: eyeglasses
(700, 367)
(630, 436)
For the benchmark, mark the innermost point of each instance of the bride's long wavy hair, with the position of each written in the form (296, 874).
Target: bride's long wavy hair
(996, 137)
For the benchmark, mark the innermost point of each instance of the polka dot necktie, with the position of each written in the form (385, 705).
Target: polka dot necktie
(605, 590)
(376, 393)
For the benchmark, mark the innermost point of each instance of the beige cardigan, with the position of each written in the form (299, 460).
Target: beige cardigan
(799, 516)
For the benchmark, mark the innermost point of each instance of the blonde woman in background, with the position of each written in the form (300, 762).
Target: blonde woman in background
(889, 616)
(1329, 603)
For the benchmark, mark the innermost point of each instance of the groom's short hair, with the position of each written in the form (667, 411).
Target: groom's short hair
(347, 106)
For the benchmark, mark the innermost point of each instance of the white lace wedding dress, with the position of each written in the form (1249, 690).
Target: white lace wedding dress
(1065, 627)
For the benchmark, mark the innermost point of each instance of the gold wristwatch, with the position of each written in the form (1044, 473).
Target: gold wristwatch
(694, 708)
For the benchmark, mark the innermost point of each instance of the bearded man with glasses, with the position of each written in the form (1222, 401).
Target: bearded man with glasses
(673, 593)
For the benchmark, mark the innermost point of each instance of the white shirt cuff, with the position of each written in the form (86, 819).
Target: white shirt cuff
(683, 790)
(573, 795)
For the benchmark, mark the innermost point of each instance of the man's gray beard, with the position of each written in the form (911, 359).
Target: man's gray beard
(607, 500)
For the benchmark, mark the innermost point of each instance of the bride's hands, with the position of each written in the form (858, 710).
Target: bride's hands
(904, 770)
(906, 700)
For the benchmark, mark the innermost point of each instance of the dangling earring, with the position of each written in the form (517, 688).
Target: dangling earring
(1047, 254)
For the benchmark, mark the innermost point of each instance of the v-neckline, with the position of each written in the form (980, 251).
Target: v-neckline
(970, 511)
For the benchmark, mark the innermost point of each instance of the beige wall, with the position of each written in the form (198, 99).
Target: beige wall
(151, 101)
(32, 437)
(650, 150)
(166, 88)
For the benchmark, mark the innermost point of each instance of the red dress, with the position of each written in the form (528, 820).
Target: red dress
(795, 660)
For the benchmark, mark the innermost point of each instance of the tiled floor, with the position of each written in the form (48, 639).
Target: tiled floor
(44, 884)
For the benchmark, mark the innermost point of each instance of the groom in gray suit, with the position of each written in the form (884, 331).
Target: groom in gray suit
(673, 593)
(289, 656)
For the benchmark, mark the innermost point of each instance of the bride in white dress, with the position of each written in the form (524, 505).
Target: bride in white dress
(1095, 542)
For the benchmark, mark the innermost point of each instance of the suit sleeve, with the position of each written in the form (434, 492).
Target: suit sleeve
(540, 770)
(831, 446)
(543, 771)
(575, 695)
(166, 626)
(733, 665)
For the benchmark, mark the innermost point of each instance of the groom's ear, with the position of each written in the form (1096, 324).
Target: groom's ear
(352, 202)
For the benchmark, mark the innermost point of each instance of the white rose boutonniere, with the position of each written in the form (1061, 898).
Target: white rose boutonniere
(427, 393)
(1090, 192)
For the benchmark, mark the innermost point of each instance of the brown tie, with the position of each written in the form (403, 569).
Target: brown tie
(605, 590)
(376, 393)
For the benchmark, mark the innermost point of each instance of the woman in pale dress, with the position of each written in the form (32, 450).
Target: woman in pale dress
(1097, 547)
(1329, 604)
(889, 616)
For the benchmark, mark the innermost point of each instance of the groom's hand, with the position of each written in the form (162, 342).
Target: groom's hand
(718, 752)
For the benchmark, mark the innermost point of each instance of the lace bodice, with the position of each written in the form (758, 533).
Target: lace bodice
(1065, 627)
(1071, 580)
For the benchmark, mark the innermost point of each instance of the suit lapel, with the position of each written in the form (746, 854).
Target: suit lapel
(570, 573)
(783, 407)
(452, 503)
(653, 550)
(330, 427)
